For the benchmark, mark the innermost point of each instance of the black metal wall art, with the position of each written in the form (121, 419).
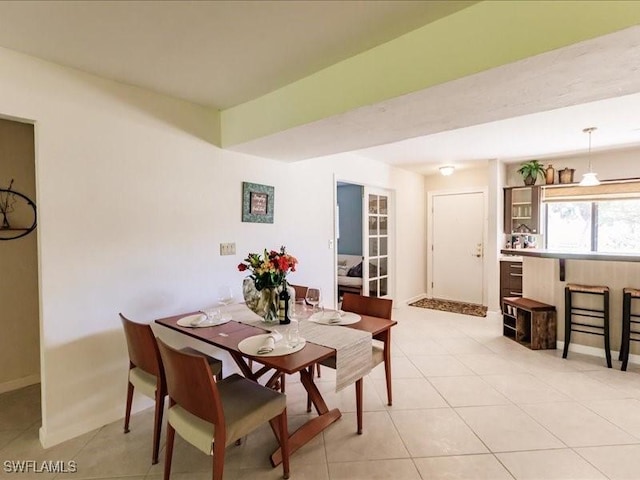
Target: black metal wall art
(19, 214)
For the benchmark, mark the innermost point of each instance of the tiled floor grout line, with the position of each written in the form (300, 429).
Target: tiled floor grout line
(459, 339)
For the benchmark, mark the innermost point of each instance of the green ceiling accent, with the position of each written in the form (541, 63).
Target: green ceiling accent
(483, 36)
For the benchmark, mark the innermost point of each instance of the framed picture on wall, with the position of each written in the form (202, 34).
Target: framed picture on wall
(257, 203)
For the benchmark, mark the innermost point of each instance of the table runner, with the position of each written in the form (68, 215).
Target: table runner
(353, 347)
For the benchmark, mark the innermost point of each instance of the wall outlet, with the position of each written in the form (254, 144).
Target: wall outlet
(228, 248)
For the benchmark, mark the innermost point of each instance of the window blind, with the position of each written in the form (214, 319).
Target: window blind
(604, 191)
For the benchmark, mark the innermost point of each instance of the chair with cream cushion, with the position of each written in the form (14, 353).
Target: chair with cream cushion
(380, 351)
(146, 373)
(212, 415)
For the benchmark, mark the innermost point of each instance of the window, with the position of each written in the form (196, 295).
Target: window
(569, 226)
(598, 226)
(619, 226)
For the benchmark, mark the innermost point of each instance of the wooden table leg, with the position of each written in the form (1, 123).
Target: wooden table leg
(314, 426)
(242, 364)
(387, 365)
(359, 405)
(248, 372)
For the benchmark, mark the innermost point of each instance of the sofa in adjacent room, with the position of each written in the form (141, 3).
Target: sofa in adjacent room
(349, 274)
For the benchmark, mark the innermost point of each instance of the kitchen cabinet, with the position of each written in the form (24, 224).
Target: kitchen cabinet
(510, 279)
(522, 210)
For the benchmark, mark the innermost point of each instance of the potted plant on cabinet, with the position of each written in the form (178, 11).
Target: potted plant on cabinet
(530, 171)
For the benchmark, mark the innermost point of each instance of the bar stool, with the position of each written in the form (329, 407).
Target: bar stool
(582, 327)
(628, 294)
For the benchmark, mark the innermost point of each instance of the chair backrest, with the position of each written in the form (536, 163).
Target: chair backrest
(301, 291)
(373, 306)
(191, 385)
(142, 346)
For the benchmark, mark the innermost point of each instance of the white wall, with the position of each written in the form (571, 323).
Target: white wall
(461, 179)
(609, 165)
(134, 200)
(497, 173)
(315, 180)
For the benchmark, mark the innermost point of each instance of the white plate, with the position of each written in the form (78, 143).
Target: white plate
(328, 318)
(186, 321)
(251, 345)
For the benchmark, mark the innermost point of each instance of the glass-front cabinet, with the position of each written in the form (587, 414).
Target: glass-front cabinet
(522, 210)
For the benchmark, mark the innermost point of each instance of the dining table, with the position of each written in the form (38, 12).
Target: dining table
(230, 334)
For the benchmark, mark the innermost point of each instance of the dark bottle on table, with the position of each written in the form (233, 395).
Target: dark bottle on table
(283, 305)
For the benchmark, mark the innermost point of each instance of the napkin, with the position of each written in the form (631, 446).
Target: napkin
(332, 316)
(198, 320)
(270, 343)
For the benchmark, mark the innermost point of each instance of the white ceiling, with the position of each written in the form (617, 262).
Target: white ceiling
(535, 107)
(222, 53)
(215, 53)
(540, 135)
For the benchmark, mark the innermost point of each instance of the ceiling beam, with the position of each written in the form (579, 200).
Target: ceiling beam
(481, 37)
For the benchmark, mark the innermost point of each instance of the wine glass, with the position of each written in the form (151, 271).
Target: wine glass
(313, 297)
(297, 312)
(225, 295)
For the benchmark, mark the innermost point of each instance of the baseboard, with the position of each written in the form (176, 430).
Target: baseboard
(596, 351)
(50, 439)
(416, 298)
(19, 383)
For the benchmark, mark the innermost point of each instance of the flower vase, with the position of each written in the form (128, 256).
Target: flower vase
(268, 305)
(262, 302)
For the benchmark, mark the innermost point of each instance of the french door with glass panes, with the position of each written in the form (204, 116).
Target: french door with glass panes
(377, 243)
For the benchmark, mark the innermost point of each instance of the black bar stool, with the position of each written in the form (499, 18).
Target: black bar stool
(628, 294)
(583, 327)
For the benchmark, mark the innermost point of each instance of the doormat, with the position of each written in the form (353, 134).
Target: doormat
(451, 306)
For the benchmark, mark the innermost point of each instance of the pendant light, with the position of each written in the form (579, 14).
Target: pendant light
(589, 179)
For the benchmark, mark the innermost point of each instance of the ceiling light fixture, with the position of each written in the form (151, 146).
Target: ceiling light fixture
(447, 170)
(589, 179)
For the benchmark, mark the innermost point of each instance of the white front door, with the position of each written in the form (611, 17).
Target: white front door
(457, 246)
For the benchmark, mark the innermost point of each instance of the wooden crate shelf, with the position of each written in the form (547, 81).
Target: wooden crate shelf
(529, 322)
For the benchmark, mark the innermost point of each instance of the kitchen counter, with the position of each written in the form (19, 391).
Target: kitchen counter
(542, 253)
(563, 256)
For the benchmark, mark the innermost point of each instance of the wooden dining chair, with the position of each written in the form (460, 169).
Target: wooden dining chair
(301, 290)
(380, 350)
(374, 307)
(212, 415)
(146, 373)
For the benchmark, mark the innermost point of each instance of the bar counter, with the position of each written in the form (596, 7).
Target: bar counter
(546, 273)
(542, 253)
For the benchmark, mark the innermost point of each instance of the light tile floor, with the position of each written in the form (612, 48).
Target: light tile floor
(468, 404)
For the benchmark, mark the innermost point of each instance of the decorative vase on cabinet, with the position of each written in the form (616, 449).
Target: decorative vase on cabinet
(549, 175)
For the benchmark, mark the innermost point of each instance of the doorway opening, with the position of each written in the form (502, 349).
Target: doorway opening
(364, 239)
(19, 295)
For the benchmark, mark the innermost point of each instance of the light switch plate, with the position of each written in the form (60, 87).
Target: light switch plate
(228, 248)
